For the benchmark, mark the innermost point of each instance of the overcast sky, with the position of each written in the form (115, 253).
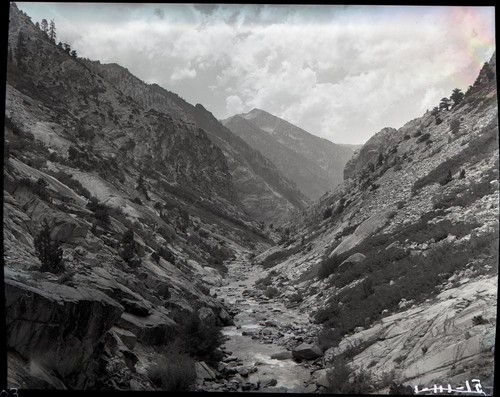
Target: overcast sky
(340, 72)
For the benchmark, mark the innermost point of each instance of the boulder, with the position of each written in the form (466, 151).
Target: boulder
(225, 318)
(306, 351)
(320, 378)
(61, 325)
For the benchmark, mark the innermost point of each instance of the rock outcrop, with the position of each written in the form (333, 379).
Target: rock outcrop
(59, 327)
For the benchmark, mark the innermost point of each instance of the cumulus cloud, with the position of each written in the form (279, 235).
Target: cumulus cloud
(234, 105)
(339, 72)
(184, 73)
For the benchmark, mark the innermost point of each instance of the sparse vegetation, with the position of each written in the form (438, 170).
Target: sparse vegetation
(39, 187)
(327, 213)
(343, 380)
(101, 211)
(129, 249)
(423, 137)
(479, 320)
(476, 150)
(455, 126)
(447, 179)
(271, 292)
(73, 184)
(296, 298)
(415, 276)
(174, 372)
(200, 340)
(464, 196)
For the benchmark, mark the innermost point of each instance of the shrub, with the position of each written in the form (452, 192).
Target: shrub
(329, 265)
(49, 252)
(328, 337)
(342, 380)
(447, 179)
(406, 137)
(481, 147)
(199, 339)
(438, 120)
(137, 200)
(455, 126)
(399, 359)
(101, 211)
(464, 197)
(400, 389)
(129, 250)
(73, 184)
(174, 372)
(271, 292)
(296, 298)
(424, 137)
(327, 213)
(478, 320)
(418, 133)
(39, 187)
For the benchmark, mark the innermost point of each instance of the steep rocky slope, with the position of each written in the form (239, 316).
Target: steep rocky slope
(142, 204)
(263, 191)
(311, 179)
(399, 262)
(328, 157)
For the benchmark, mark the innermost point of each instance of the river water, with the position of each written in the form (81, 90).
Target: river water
(251, 317)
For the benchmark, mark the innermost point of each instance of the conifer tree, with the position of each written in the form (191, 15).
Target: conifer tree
(456, 96)
(49, 252)
(52, 31)
(45, 26)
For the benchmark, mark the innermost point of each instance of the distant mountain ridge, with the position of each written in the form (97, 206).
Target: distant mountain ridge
(314, 164)
(308, 176)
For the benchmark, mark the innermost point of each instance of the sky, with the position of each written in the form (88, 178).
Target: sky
(339, 72)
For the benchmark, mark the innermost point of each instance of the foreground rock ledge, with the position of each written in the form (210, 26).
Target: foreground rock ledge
(59, 326)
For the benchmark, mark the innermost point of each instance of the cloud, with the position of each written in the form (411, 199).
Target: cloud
(181, 74)
(234, 105)
(339, 72)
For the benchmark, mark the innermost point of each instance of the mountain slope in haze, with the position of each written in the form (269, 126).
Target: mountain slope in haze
(399, 263)
(328, 156)
(142, 205)
(263, 191)
(310, 179)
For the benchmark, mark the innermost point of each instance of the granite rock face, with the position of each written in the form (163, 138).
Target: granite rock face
(59, 325)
